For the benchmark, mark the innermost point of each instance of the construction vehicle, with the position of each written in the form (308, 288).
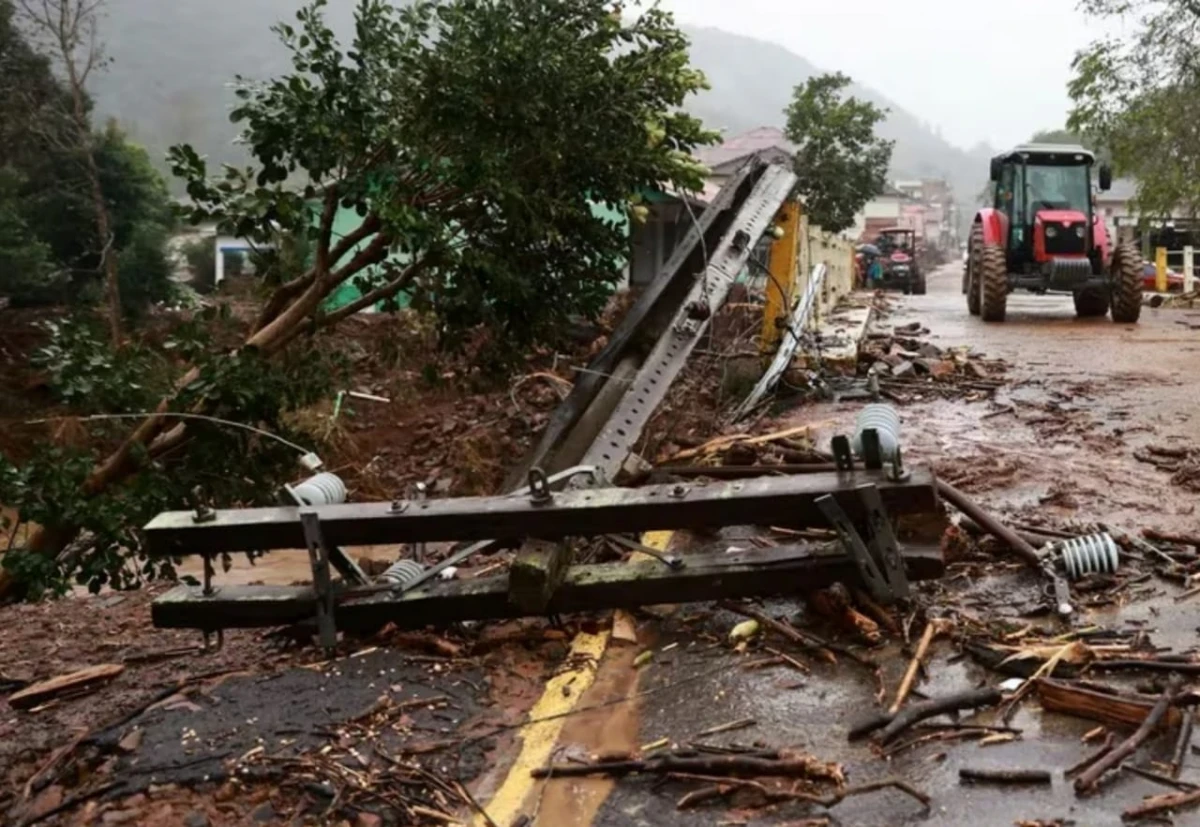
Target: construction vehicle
(898, 254)
(1043, 234)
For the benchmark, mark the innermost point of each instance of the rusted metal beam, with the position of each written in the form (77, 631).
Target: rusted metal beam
(757, 572)
(767, 500)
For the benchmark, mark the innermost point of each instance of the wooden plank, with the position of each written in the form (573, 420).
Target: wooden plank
(1112, 710)
(765, 501)
(47, 690)
(757, 572)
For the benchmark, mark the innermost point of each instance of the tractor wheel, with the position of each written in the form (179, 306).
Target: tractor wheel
(918, 286)
(969, 285)
(992, 276)
(1125, 273)
(1091, 303)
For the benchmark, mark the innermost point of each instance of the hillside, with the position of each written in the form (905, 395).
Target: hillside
(172, 62)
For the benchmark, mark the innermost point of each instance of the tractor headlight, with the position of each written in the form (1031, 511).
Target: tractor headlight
(1051, 232)
(1079, 231)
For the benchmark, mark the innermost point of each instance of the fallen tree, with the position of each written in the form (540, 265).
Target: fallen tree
(468, 142)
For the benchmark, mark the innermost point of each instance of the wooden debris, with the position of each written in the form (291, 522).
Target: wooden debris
(88, 679)
(835, 603)
(1181, 744)
(1157, 805)
(724, 786)
(1108, 709)
(808, 639)
(932, 629)
(1092, 757)
(893, 725)
(785, 765)
(1089, 779)
(1005, 776)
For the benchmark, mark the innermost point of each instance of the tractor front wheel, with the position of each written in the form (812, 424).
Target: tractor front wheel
(1089, 303)
(971, 276)
(1125, 273)
(992, 278)
(918, 286)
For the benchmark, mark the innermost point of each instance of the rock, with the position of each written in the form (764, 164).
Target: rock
(46, 801)
(936, 367)
(902, 369)
(131, 741)
(930, 351)
(366, 819)
(264, 813)
(196, 818)
(119, 817)
(624, 629)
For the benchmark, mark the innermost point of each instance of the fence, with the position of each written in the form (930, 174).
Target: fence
(1165, 259)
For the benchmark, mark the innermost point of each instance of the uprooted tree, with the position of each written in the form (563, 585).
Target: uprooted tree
(470, 140)
(840, 162)
(1138, 97)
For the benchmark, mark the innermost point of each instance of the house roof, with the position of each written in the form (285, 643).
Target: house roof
(745, 145)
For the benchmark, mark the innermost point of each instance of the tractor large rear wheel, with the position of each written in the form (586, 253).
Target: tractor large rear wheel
(992, 276)
(1125, 274)
(970, 277)
(1090, 303)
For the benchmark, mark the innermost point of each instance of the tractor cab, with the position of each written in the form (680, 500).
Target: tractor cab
(1044, 193)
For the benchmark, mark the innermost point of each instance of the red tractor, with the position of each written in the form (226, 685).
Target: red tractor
(1043, 235)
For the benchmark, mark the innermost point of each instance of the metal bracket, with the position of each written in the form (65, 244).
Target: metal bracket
(539, 487)
(897, 472)
(842, 455)
(879, 564)
(872, 451)
(883, 543)
(318, 556)
(341, 561)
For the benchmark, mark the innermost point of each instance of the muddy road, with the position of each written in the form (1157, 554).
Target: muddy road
(1059, 444)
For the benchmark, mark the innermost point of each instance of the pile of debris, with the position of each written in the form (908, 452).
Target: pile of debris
(908, 369)
(1181, 462)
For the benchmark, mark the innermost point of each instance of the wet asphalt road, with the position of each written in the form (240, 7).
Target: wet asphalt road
(1110, 389)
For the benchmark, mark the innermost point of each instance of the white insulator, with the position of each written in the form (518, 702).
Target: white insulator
(1093, 554)
(322, 489)
(885, 421)
(402, 572)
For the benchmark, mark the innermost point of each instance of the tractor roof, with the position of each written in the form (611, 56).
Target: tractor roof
(1060, 153)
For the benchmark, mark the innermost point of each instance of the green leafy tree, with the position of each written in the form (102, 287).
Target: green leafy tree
(840, 162)
(26, 276)
(1138, 95)
(471, 139)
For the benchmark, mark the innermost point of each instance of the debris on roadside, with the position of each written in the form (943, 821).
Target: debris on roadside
(908, 369)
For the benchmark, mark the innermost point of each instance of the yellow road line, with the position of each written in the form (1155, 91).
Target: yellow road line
(539, 739)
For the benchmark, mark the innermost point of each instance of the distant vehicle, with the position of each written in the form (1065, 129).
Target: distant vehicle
(898, 246)
(1150, 279)
(1043, 234)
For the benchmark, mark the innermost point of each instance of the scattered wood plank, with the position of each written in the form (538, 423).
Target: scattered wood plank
(932, 628)
(1093, 757)
(84, 679)
(1109, 709)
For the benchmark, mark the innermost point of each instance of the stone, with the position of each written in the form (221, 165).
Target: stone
(119, 817)
(196, 818)
(131, 741)
(46, 801)
(902, 369)
(264, 813)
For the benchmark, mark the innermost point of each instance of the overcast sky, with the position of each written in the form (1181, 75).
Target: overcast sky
(980, 71)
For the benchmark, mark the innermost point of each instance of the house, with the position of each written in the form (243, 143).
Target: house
(767, 142)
